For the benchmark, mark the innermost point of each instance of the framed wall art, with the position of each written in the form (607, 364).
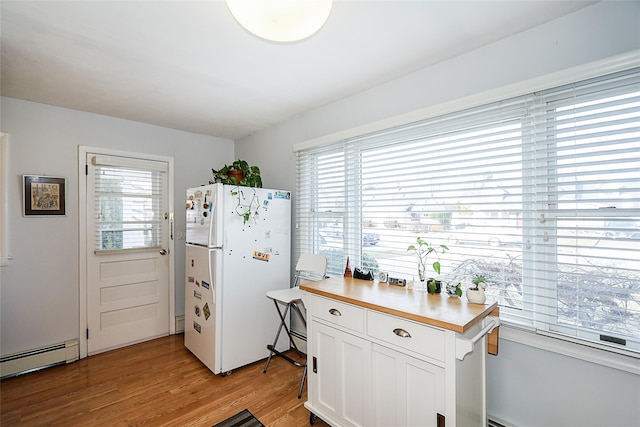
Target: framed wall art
(43, 195)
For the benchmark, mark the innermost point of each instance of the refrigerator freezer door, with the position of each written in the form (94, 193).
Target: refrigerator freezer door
(202, 313)
(204, 208)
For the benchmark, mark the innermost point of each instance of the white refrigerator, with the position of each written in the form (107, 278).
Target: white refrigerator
(231, 263)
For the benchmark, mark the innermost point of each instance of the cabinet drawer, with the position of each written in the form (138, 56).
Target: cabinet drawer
(401, 333)
(338, 313)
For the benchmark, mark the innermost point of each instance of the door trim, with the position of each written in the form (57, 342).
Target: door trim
(82, 238)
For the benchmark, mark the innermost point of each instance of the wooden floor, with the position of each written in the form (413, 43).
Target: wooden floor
(156, 383)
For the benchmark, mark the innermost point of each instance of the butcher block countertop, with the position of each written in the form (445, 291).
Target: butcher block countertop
(439, 310)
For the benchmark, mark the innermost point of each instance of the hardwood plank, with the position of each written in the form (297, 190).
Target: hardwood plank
(155, 383)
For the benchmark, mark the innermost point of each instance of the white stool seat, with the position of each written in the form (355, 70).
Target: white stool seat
(286, 296)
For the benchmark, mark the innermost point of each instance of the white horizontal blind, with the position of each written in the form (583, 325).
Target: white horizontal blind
(587, 159)
(128, 202)
(322, 204)
(522, 191)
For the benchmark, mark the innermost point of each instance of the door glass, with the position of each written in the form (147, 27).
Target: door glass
(128, 207)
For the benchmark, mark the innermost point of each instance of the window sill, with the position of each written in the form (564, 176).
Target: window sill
(562, 345)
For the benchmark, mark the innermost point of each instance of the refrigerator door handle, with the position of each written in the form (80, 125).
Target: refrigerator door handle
(212, 274)
(214, 208)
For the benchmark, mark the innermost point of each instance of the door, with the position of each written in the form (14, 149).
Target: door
(127, 250)
(406, 391)
(339, 370)
(202, 313)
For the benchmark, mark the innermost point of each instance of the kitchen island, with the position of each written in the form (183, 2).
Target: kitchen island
(384, 355)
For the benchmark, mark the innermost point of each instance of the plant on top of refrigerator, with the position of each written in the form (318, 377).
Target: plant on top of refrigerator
(238, 173)
(241, 174)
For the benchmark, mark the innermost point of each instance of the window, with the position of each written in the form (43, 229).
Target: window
(539, 193)
(128, 202)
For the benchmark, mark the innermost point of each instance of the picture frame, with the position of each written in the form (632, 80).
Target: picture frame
(44, 195)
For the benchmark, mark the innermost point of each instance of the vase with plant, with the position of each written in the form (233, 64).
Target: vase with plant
(475, 293)
(241, 174)
(423, 250)
(454, 289)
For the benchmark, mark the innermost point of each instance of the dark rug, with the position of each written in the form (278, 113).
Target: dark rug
(241, 419)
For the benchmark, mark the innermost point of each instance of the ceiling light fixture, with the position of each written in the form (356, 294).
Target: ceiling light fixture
(281, 20)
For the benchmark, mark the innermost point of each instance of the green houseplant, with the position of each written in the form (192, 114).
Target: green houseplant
(238, 173)
(479, 281)
(241, 174)
(454, 289)
(423, 250)
(475, 293)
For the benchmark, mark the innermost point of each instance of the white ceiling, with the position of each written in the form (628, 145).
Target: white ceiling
(188, 65)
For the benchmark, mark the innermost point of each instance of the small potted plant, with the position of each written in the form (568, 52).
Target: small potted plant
(475, 293)
(422, 250)
(454, 290)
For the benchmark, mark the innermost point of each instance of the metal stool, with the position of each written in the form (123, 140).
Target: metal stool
(310, 267)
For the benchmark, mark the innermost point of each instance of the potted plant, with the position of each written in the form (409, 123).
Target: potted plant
(241, 174)
(422, 250)
(238, 173)
(454, 289)
(475, 293)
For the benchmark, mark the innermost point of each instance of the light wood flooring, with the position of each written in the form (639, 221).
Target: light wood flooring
(155, 383)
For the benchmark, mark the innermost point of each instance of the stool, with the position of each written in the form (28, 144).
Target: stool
(310, 267)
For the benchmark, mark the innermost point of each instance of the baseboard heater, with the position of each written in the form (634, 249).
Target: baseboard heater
(39, 358)
(495, 422)
(300, 340)
(179, 321)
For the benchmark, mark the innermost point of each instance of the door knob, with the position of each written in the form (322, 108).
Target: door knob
(163, 252)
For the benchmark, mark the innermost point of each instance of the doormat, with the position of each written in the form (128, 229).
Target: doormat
(241, 419)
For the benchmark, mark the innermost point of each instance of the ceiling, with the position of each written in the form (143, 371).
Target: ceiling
(188, 65)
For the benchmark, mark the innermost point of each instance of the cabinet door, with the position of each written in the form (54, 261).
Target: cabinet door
(339, 375)
(406, 391)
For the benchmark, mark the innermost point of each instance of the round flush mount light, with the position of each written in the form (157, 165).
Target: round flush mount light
(281, 20)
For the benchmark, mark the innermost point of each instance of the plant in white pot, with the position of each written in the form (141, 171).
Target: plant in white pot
(475, 293)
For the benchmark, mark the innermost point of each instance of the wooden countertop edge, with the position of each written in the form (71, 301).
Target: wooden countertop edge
(404, 314)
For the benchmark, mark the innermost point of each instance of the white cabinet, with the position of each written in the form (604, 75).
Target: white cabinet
(340, 367)
(369, 368)
(406, 391)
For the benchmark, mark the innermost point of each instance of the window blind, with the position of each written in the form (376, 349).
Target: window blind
(539, 193)
(587, 160)
(129, 207)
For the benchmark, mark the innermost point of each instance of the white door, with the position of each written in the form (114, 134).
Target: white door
(339, 376)
(406, 391)
(127, 251)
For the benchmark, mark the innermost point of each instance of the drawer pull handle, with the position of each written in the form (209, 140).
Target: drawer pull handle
(335, 312)
(401, 333)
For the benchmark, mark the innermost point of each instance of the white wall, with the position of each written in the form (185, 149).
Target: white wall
(528, 386)
(39, 294)
(532, 387)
